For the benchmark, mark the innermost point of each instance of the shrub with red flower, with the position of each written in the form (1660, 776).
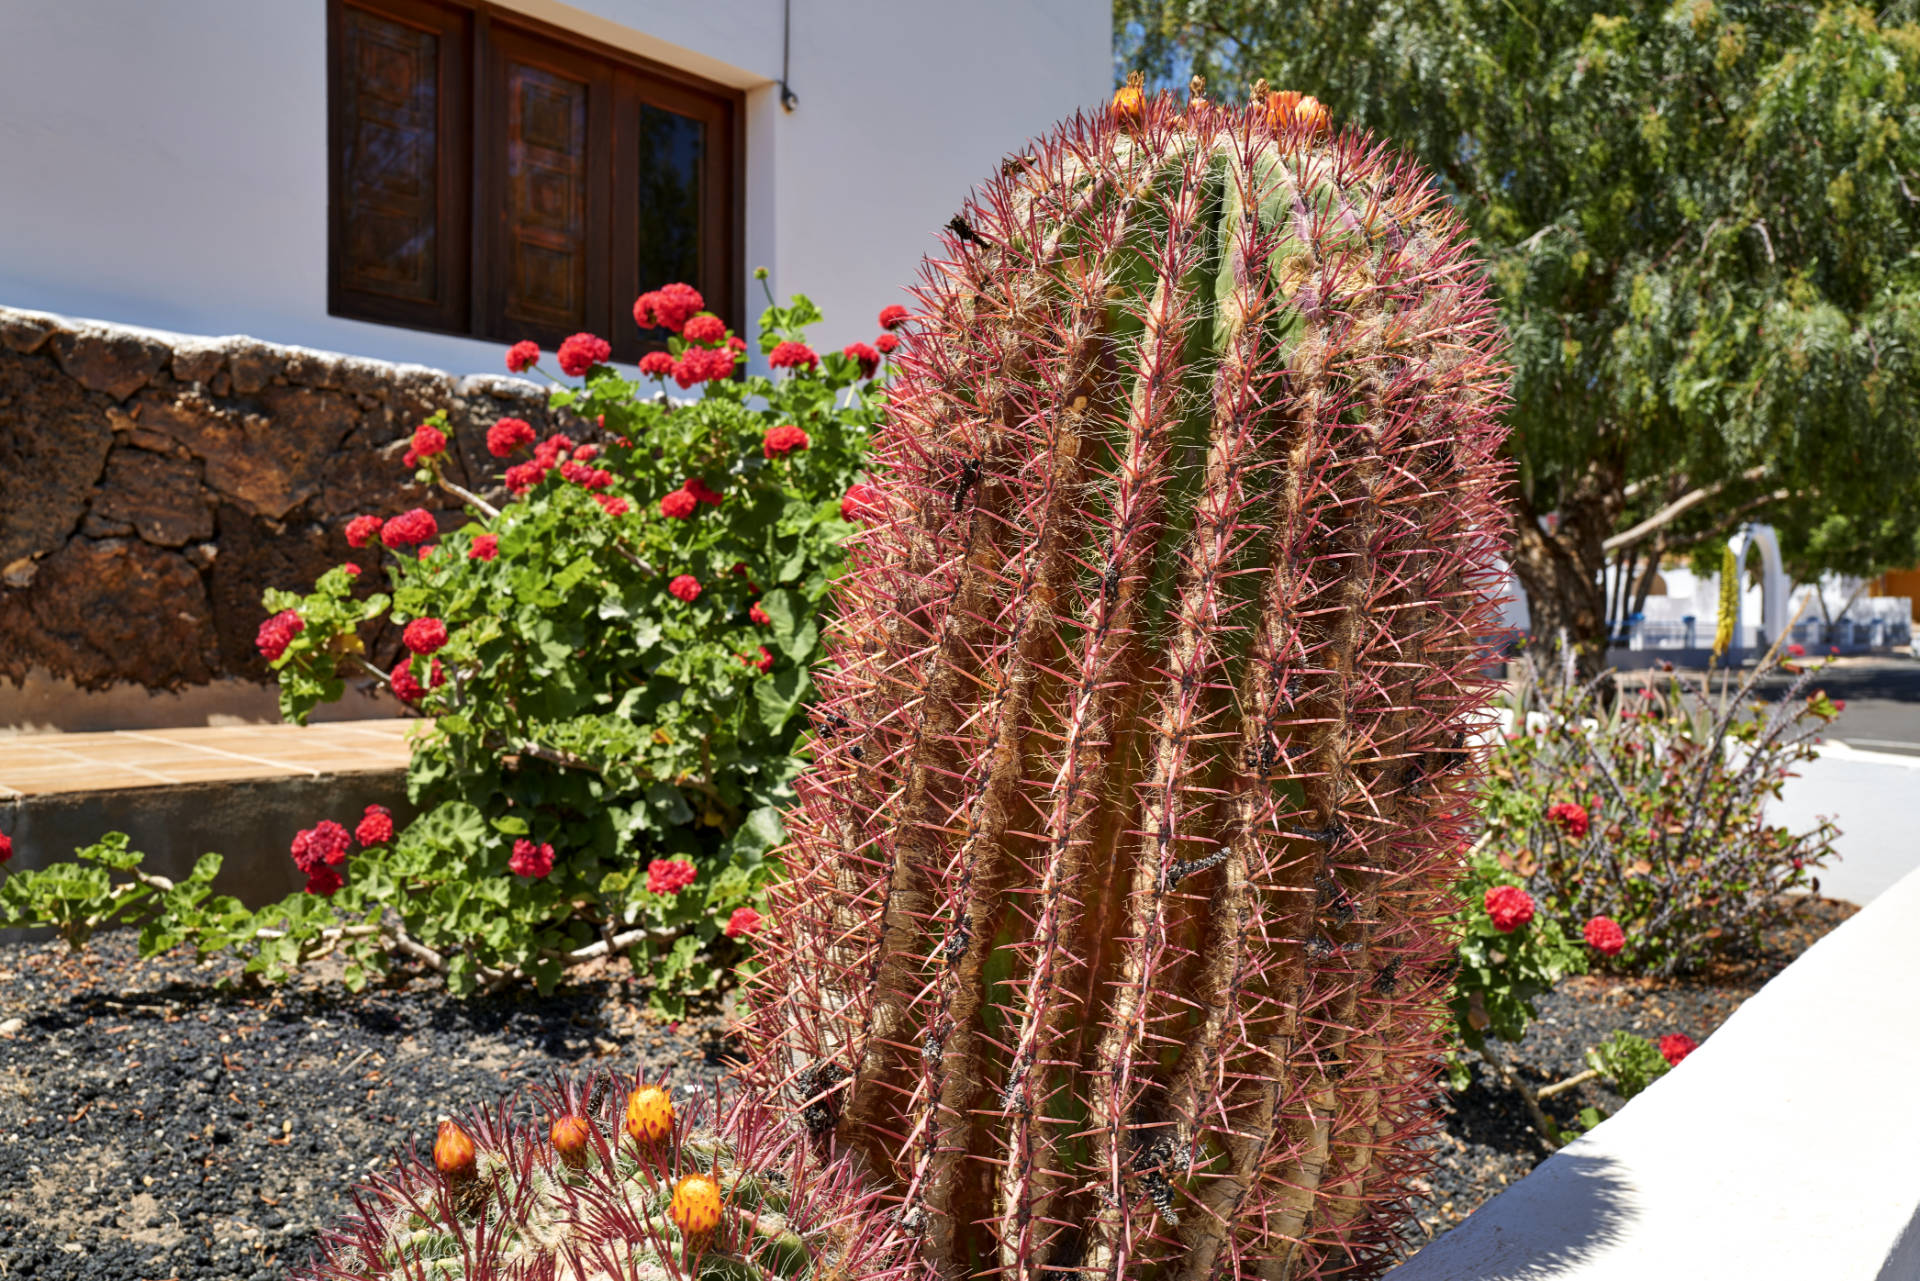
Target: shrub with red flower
(407, 688)
(1509, 907)
(582, 352)
(362, 530)
(679, 505)
(697, 486)
(669, 307)
(484, 547)
(428, 441)
(762, 663)
(531, 860)
(702, 365)
(1605, 936)
(508, 435)
(684, 587)
(375, 827)
(656, 364)
(522, 356)
(1570, 817)
(670, 876)
(892, 316)
(862, 355)
(705, 329)
(784, 439)
(326, 842)
(408, 528)
(424, 635)
(792, 355)
(862, 502)
(612, 504)
(744, 921)
(1675, 1046)
(522, 477)
(759, 616)
(277, 633)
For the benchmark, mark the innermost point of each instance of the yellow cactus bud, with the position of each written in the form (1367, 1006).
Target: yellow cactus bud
(1130, 100)
(453, 1152)
(649, 1114)
(572, 1138)
(696, 1205)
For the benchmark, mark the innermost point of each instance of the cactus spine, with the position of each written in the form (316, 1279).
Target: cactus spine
(1111, 940)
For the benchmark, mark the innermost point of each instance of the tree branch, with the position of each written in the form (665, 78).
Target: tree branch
(487, 509)
(1676, 509)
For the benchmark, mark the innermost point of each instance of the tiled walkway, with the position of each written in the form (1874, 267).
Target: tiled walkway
(42, 764)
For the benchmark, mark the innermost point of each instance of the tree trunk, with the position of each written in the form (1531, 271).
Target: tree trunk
(1562, 569)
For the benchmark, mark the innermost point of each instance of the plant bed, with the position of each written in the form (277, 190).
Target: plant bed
(153, 1124)
(1489, 1142)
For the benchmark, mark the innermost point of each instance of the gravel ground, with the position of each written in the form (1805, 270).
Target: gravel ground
(154, 1125)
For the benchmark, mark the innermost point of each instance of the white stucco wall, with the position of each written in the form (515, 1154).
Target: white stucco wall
(164, 164)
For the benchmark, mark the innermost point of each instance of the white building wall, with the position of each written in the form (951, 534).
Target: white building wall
(165, 164)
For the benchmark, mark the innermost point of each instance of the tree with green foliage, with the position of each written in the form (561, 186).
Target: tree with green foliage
(1701, 220)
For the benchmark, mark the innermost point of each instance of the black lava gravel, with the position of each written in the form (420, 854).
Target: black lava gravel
(154, 1125)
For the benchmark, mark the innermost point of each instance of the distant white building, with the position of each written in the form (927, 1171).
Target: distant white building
(425, 180)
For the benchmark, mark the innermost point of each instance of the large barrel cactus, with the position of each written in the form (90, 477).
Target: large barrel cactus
(1112, 937)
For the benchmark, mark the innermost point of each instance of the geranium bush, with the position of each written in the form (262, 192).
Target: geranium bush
(1646, 804)
(614, 651)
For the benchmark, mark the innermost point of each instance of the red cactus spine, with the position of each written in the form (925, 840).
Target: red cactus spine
(1113, 933)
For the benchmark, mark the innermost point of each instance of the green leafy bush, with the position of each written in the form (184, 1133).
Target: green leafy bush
(1627, 1062)
(614, 650)
(1645, 804)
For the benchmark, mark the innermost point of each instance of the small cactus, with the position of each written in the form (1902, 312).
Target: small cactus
(550, 1186)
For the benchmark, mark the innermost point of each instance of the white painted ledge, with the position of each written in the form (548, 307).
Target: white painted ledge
(1786, 1146)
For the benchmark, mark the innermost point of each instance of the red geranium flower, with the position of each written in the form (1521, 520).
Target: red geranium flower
(893, 316)
(612, 504)
(759, 616)
(669, 306)
(582, 352)
(353, 570)
(1675, 1046)
(1509, 906)
(424, 635)
(484, 547)
(679, 505)
(743, 921)
(705, 329)
(686, 587)
(324, 881)
(524, 476)
(656, 364)
(697, 486)
(792, 355)
(1605, 936)
(428, 441)
(6, 847)
(862, 502)
(784, 439)
(362, 530)
(508, 435)
(323, 844)
(862, 355)
(408, 528)
(702, 365)
(522, 356)
(736, 344)
(763, 663)
(376, 826)
(887, 344)
(530, 860)
(1570, 818)
(1798, 651)
(277, 633)
(406, 688)
(669, 876)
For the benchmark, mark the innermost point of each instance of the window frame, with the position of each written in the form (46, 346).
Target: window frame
(471, 232)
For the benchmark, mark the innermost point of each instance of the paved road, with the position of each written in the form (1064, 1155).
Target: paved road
(1883, 702)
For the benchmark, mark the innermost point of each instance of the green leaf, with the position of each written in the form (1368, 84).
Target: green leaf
(780, 695)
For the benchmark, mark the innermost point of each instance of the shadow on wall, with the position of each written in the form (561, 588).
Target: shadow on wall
(1566, 1213)
(1904, 1263)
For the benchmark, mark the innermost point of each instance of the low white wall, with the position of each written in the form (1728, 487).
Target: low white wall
(166, 163)
(1782, 1148)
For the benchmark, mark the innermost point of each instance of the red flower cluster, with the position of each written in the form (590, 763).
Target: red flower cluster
(702, 365)
(317, 852)
(406, 688)
(524, 476)
(551, 450)
(862, 355)
(522, 356)
(893, 316)
(508, 435)
(1605, 936)
(530, 860)
(611, 504)
(862, 502)
(679, 505)
(887, 344)
(485, 547)
(792, 355)
(1571, 818)
(1510, 907)
(1675, 1046)
(352, 570)
(705, 329)
(697, 486)
(584, 476)
(408, 528)
(362, 530)
(669, 307)
(763, 663)
(1798, 651)
(424, 635)
(6, 847)
(743, 921)
(686, 587)
(376, 826)
(784, 439)
(759, 616)
(582, 352)
(669, 875)
(656, 364)
(428, 441)
(277, 633)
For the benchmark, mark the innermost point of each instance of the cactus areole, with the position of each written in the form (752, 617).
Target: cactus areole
(1111, 939)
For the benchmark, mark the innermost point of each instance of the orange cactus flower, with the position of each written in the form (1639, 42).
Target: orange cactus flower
(649, 1114)
(1291, 107)
(696, 1205)
(1130, 100)
(572, 1138)
(453, 1152)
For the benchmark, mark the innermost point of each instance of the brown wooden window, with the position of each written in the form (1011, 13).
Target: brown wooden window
(494, 177)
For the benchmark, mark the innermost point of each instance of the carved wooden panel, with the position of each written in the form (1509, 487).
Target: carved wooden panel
(546, 194)
(390, 157)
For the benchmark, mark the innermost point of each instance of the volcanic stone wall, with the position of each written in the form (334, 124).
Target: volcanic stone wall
(151, 486)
